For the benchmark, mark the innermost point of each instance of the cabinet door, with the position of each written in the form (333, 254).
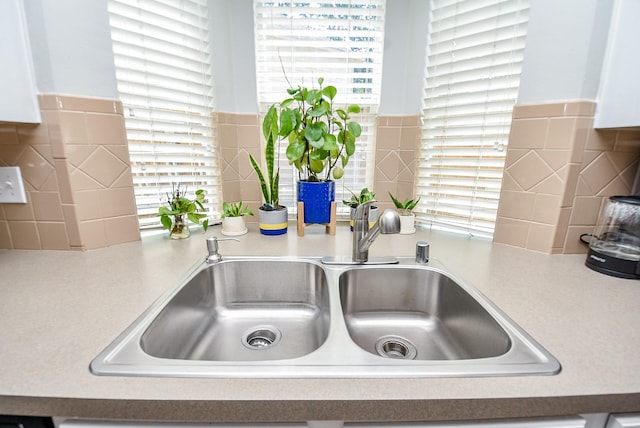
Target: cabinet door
(624, 421)
(18, 97)
(619, 94)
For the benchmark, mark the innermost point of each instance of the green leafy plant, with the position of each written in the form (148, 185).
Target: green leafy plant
(269, 184)
(235, 209)
(180, 205)
(358, 199)
(405, 207)
(321, 138)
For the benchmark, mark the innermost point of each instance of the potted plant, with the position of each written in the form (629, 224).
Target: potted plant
(407, 217)
(233, 213)
(174, 218)
(358, 199)
(272, 217)
(321, 139)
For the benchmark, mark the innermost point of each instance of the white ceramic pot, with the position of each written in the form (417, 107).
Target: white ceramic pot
(234, 226)
(407, 224)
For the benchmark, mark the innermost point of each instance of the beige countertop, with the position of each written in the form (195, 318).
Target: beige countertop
(58, 310)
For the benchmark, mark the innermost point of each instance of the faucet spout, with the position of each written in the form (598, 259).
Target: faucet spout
(363, 237)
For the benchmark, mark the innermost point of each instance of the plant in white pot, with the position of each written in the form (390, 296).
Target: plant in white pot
(358, 199)
(272, 217)
(233, 213)
(407, 217)
(321, 139)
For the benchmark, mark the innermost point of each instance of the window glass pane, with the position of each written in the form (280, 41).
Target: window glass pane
(165, 82)
(341, 42)
(474, 57)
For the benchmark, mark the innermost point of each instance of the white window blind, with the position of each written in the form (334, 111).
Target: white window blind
(164, 73)
(340, 41)
(474, 56)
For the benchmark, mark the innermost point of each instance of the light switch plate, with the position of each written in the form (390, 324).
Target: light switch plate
(11, 186)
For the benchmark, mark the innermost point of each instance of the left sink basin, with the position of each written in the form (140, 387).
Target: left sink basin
(243, 311)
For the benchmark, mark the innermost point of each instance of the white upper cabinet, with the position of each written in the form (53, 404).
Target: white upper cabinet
(18, 93)
(619, 94)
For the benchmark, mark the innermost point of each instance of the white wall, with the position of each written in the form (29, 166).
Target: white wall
(566, 42)
(404, 50)
(71, 46)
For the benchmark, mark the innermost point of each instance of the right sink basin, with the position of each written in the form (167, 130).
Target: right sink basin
(417, 314)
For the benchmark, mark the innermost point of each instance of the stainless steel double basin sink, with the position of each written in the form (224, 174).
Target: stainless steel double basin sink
(268, 317)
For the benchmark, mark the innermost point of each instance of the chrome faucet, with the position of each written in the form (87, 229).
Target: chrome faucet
(363, 237)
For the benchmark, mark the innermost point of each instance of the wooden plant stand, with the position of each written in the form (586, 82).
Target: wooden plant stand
(330, 227)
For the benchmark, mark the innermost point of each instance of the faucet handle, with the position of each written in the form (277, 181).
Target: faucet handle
(212, 248)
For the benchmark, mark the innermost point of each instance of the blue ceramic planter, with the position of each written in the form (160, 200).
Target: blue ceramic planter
(317, 198)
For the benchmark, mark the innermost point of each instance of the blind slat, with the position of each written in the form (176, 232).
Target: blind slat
(341, 42)
(474, 57)
(164, 73)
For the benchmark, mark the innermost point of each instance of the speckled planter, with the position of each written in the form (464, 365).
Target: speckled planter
(317, 198)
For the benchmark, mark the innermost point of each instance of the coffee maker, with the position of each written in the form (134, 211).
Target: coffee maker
(614, 247)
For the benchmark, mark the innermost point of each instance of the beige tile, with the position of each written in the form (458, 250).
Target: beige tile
(81, 181)
(410, 138)
(47, 206)
(561, 133)
(628, 141)
(580, 108)
(105, 129)
(508, 183)
(72, 224)
(516, 205)
(561, 230)
(125, 180)
(122, 229)
(64, 183)
(572, 244)
(414, 120)
(529, 170)
(87, 104)
(8, 134)
(103, 166)
(599, 173)
(511, 232)
(246, 119)
(601, 140)
(583, 130)
(72, 127)
(248, 136)
(33, 133)
(524, 111)
(388, 164)
(546, 209)
(585, 211)
(556, 159)
(44, 150)
(570, 174)
(35, 168)
(617, 186)
(121, 152)
(10, 153)
(394, 120)
(622, 160)
(5, 236)
(47, 101)
(22, 212)
(93, 234)
(53, 236)
(24, 235)
(87, 205)
(116, 202)
(528, 133)
(541, 237)
(388, 138)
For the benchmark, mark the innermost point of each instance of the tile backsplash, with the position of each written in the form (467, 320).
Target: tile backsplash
(76, 171)
(558, 172)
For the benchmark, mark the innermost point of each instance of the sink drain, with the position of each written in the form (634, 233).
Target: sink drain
(396, 347)
(261, 337)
